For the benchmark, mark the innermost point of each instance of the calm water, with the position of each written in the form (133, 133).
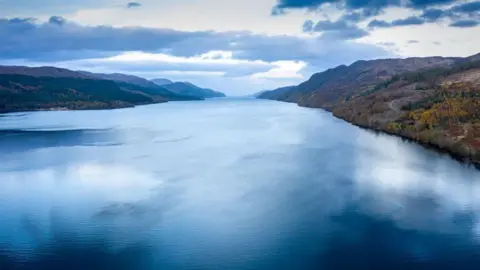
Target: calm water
(227, 184)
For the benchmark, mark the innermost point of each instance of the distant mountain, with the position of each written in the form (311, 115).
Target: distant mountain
(44, 88)
(272, 94)
(42, 72)
(161, 81)
(119, 77)
(139, 84)
(189, 89)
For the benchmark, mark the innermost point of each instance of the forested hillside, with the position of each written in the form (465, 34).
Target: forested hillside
(432, 100)
(50, 88)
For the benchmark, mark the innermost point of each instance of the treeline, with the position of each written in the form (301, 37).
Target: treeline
(455, 109)
(20, 92)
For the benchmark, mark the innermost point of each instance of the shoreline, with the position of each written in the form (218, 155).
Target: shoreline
(463, 159)
(63, 108)
(466, 160)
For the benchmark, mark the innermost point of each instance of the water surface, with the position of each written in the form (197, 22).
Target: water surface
(227, 184)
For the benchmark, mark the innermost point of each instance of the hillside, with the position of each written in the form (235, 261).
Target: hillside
(189, 89)
(141, 85)
(326, 88)
(161, 81)
(26, 93)
(43, 72)
(433, 100)
(45, 88)
(123, 78)
(273, 94)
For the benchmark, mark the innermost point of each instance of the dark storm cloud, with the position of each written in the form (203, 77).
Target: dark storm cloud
(64, 41)
(133, 4)
(465, 23)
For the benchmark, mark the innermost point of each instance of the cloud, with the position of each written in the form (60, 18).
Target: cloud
(278, 11)
(467, 10)
(347, 4)
(387, 44)
(308, 26)
(465, 23)
(18, 35)
(133, 5)
(336, 30)
(44, 7)
(71, 41)
(400, 22)
(153, 52)
(467, 7)
(379, 24)
(370, 7)
(434, 14)
(57, 20)
(330, 26)
(218, 62)
(408, 21)
(350, 33)
(427, 3)
(357, 16)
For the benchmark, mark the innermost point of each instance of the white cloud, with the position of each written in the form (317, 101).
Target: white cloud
(214, 69)
(284, 69)
(173, 47)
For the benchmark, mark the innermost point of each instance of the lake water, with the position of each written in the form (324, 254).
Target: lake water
(227, 184)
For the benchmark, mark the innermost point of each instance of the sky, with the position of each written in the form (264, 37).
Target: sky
(235, 46)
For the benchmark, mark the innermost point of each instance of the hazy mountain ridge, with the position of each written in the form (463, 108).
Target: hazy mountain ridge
(161, 81)
(433, 100)
(119, 77)
(189, 89)
(46, 71)
(44, 88)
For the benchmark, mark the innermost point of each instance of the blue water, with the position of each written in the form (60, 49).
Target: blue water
(227, 184)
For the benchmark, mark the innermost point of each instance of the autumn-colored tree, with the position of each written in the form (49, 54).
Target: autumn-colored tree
(429, 118)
